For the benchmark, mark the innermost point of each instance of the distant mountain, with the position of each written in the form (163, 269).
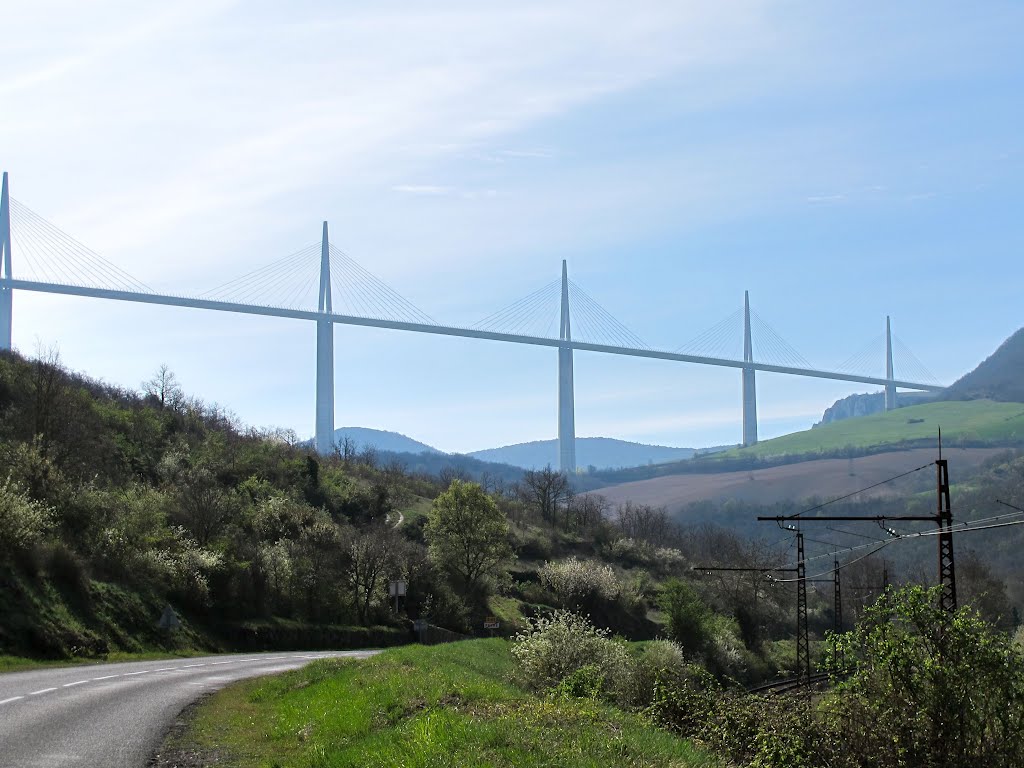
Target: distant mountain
(453, 465)
(598, 452)
(382, 440)
(999, 377)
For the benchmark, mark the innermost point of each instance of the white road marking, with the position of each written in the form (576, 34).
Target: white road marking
(218, 663)
(190, 666)
(132, 674)
(107, 677)
(45, 690)
(165, 669)
(72, 685)
(13, 698)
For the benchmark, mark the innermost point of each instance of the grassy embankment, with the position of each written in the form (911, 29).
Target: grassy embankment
(447, 705)
(973, 421)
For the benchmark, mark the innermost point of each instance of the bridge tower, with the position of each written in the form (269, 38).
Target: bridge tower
(6, 292)
(566, 405)
(325, 355)
(749, 388)
(890, 388)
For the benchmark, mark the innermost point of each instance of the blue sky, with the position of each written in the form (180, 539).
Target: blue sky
(840, 161)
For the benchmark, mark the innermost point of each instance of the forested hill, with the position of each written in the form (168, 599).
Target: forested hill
(999, 377)
(379, 439)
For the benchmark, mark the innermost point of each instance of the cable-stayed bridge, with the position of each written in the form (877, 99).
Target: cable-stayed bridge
(322, 284)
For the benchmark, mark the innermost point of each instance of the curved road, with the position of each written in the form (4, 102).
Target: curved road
(115, 715)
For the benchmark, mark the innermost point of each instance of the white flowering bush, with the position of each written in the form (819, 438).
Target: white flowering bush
(629, 550)
(665, 656)
(23, 522)
(668, 559)
(725, 651)
(554, 648)
(576, 582)
(660, 662)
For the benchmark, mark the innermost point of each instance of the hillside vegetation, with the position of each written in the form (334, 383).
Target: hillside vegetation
(972, 422)
(117, 504)
(998, 377)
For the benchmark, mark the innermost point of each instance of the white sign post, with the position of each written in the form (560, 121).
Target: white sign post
(396, 589)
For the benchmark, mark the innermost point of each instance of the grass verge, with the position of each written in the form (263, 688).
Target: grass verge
(415, 707)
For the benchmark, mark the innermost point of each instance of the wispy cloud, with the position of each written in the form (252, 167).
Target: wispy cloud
(422, 189)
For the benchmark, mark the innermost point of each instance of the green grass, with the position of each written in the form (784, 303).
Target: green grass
(509, 611)
(415, 510)
(973, 421)
(417, 707)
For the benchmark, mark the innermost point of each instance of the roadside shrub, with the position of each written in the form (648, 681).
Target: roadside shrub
(555, 647)
(578, 582)
(748, 730)
(949, 688)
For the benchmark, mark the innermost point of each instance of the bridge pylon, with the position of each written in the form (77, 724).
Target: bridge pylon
(325, 354)
(6, 292)
(749, 385)
(566, 400)
(890, 386)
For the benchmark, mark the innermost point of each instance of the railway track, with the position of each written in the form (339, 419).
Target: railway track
(790, 684)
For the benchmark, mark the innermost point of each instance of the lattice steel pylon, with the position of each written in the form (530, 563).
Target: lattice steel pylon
(944, 518)
(838, 617)
(803, 646)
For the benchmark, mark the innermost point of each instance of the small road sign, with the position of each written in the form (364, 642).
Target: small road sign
(491, 623)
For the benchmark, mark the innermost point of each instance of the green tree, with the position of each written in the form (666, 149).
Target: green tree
(687, 615)
(467, 535)
(918, 686)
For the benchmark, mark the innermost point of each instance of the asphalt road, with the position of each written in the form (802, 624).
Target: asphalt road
(115, 715)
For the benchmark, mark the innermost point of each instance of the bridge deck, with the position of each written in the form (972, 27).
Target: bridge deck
(444, 330)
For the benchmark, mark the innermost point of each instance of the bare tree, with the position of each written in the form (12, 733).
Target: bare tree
(373, 553)
(587, 510)
(644, 522)
(547, 491)
(201, 503)
(164, 388)
(368, 456)
(347, 449)
(49, 396)
(449, 473)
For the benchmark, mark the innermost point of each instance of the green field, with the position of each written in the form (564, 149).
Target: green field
(446, 705)
(972, 421)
